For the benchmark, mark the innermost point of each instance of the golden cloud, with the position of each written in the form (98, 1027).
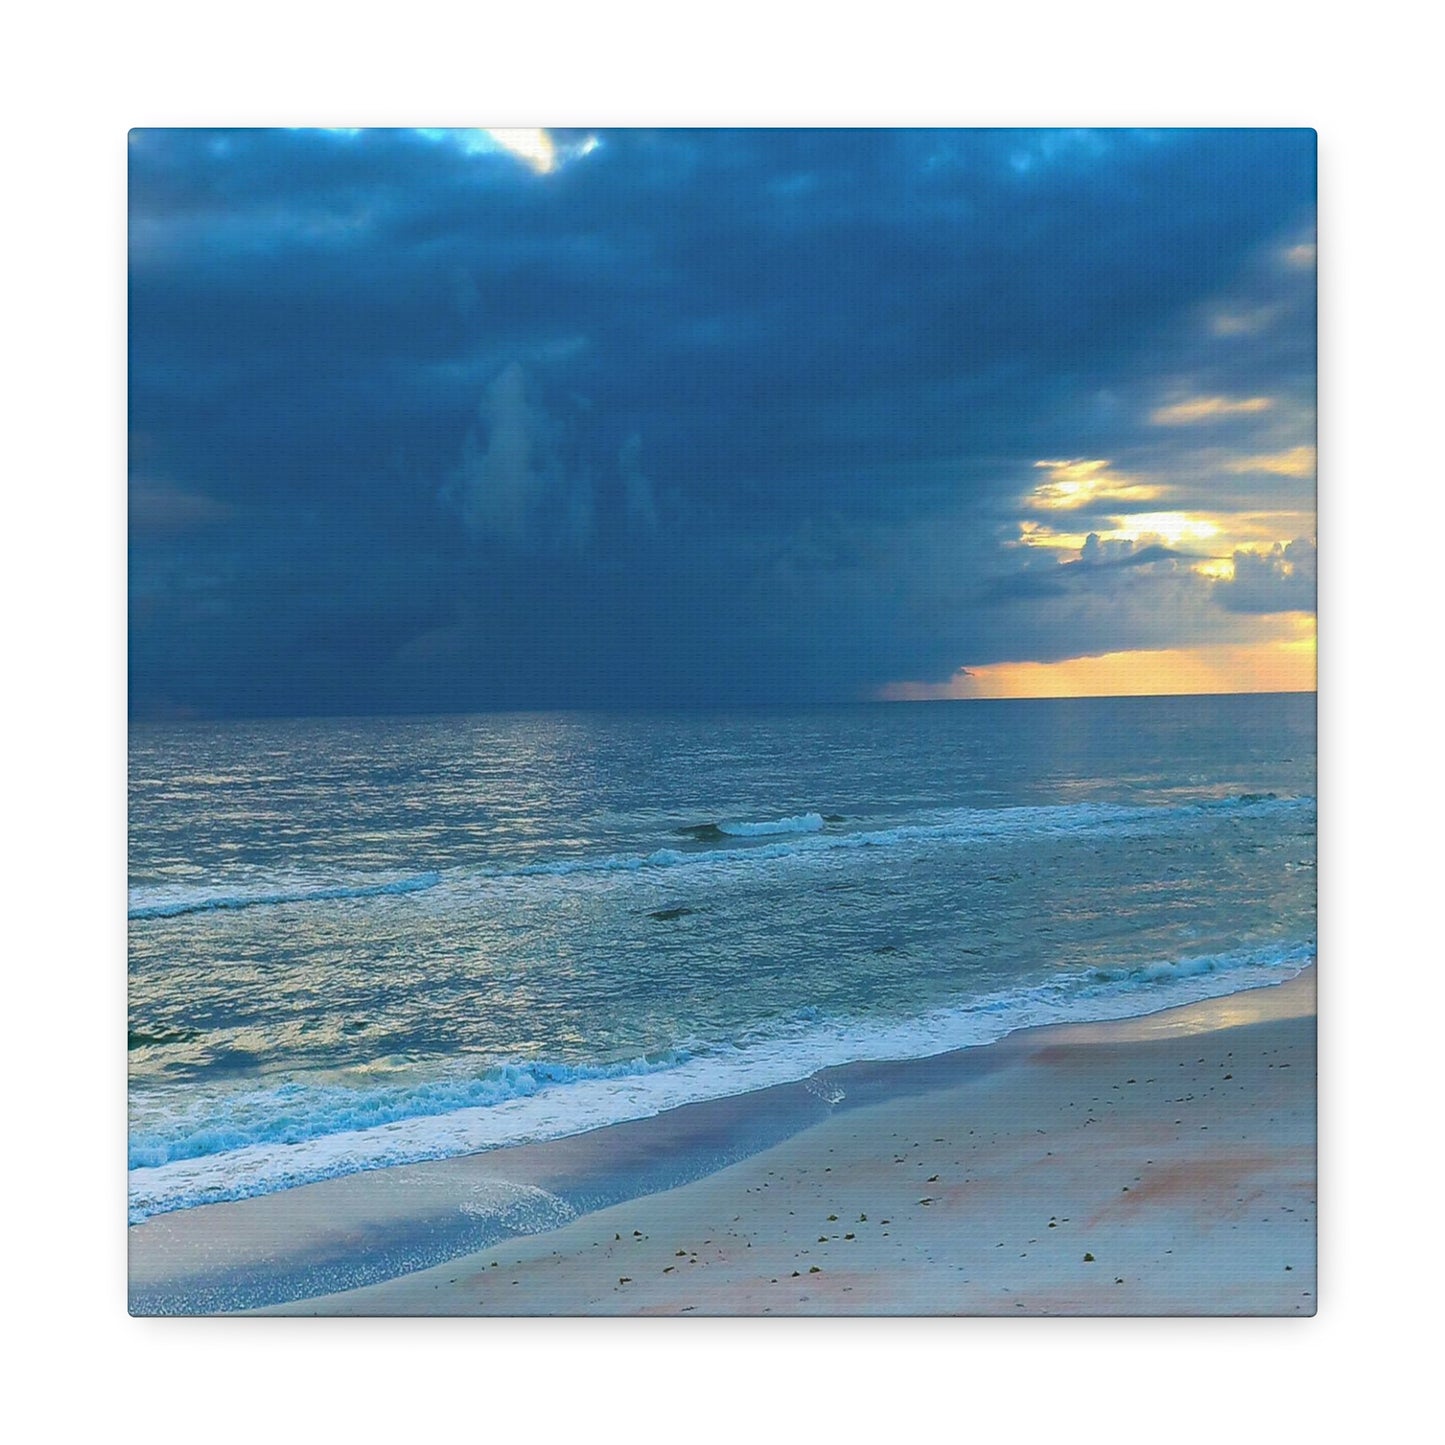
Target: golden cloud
(1296, 462)
(1078, 483)
(1208, 408)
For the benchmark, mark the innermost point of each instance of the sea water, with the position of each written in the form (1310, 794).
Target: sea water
(359, 942)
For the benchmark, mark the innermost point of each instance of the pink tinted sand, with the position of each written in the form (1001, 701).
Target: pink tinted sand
(1158, 1165)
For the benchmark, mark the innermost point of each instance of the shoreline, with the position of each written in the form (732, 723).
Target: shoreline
(402, 1239)
(590, 1097)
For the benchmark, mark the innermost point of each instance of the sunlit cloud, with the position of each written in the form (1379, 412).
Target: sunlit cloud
(1075, 483)
(1296, 462)
(1301, 257)
(1172, 529)
(1260, 531)
(533, 146)
(1208, 408)
(1040, 534)
(1216, 569)
(1211, 545)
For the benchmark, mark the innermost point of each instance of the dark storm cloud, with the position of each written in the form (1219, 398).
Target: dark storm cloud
(696, 415)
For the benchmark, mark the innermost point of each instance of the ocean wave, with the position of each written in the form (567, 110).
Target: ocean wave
(170, 905)
(263, 1140)
(292, 1114)
(763, 828)
(805, 835)
(960, 825)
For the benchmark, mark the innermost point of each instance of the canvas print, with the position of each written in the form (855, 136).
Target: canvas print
(722, 722)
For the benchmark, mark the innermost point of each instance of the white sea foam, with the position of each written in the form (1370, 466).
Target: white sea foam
(805, 823)
(536, 1102)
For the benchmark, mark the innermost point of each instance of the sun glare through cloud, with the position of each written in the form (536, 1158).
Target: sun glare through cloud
(532, 145)
(535, 147)
(1074, 484)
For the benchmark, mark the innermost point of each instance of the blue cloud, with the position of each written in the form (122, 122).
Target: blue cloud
(417, 424)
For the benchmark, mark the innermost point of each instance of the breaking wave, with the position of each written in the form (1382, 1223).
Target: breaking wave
(263, 1139)
(766, 828)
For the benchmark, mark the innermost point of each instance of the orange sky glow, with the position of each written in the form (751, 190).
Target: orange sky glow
(1287, 665)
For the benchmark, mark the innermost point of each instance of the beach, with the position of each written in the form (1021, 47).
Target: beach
(481, 933)
(1163, 1164)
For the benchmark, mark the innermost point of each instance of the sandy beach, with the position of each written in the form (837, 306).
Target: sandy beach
(1158, 1165)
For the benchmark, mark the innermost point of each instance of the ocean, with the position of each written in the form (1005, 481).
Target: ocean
(359, 942)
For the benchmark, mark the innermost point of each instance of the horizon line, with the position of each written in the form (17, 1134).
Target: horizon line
(198, 715)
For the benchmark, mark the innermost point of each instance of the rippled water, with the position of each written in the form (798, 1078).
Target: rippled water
(358, 941)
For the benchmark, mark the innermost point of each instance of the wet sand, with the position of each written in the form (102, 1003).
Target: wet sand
(1161, 1165)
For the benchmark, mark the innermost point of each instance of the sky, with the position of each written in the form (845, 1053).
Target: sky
(455, 420)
